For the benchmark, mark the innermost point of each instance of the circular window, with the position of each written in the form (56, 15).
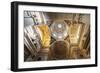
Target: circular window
(59, 30)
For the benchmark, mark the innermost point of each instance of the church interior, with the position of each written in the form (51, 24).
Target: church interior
(56, 36)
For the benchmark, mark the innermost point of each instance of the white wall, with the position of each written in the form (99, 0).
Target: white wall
(5, 17)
